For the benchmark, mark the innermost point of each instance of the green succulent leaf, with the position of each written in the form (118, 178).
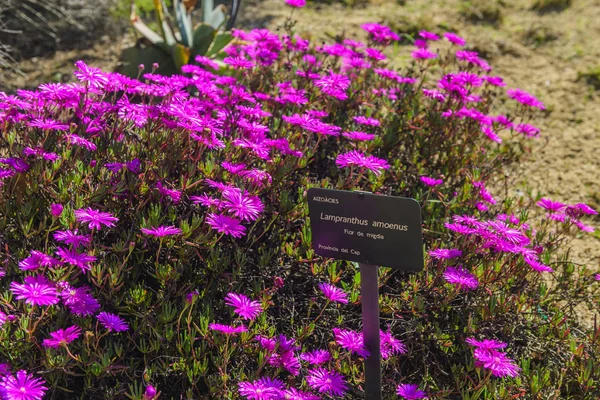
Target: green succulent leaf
(203, 37)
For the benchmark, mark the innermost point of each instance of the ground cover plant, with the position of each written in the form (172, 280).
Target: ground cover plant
(155, 242)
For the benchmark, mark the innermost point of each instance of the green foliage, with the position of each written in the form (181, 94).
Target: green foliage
(171, 49)
(591, 77)
(482, 11)
(551, 5)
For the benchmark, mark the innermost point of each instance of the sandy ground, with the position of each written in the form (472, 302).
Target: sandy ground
(542, 53)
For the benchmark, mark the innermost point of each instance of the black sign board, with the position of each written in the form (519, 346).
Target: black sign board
(366, 228)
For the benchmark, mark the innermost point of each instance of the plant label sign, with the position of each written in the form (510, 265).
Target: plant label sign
(366, 228)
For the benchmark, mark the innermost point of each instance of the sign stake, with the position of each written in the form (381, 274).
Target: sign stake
(369, 288)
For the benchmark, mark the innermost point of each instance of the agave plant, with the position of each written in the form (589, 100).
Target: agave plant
(174, 47)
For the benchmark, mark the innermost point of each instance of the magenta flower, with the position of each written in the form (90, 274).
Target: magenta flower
(389, 345)
(79, 300)
(205, 200)
(62, 337)
(380, 33)
(460, 277)
(525, 98)
(112, 322)
(498, 363)
(326, 381)
(243, 306)
(242, 205)
(36, 260)
(585, 209)
(47, 124)
(423, 54)
(431, 181)
(295, 394)
(445, 254)
(334, 85)
(72, 238)
(486, 344)
(333, 293)
(36, 290)
(95, 218)
(82, 142)
(455, 39)
(410, 392)
(550, 205)
(4, 370)
(22, 386)
(56, 210)
(226, 225)
(597, 277)
(358, 135)
(228, 329)
(362, 120)
(264, 388)
(316, 357)
(189, 298)
(296, 3)
(239, 62)
(429, 35)
(161, 231)
(351, 341)
(93, 77)
(354, 157)
(150, 392)
(174, 195)
(72, 257)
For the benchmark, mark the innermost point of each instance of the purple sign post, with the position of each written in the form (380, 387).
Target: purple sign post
(372, 230)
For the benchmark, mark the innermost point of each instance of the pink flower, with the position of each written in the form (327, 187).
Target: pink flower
(241, 204)
(455, 39)
(326, 381)
(362, 120)
(333, 293)
(316, 357)
(410, 392)
(226, 225)
(351, 341)
(445, 254)
(486, 344)
(296, 3)
(389, 345)
(525, 98)
(95, 218)
(334, 85)
(498, 363)
(36, 290)
(22, 386)
(550, 205)
(358, 135)
(262, 389)
(380, 33)
(228, 329)
(112, 322)
(354, 157)
(71, 256)
(243, 306)
(62, 337)
(56, 210)
(149, 393)
(72, 238)
(423, 54)
(161, 231)
(460, 277)
(36, 260)
(429, 35)
(431, 181)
